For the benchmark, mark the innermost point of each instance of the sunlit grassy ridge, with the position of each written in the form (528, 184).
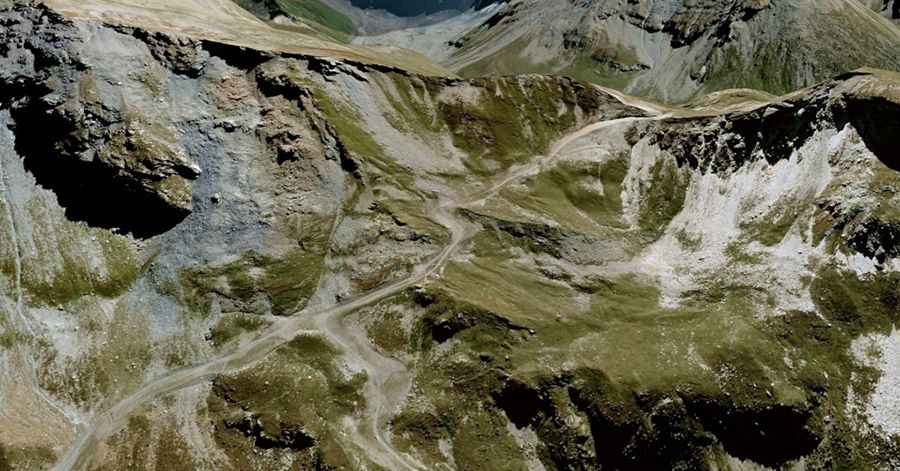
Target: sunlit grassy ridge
(319, 12)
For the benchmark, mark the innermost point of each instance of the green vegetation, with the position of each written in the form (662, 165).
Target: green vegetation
(766, 72)
(714, 350)
(410, 113)
(107, 369)
(737, 252)
(286, 282)
(661, 198)
(850, 306)
(299, 386)
(721, 100)
(689, 241)
(388, 334)
(63, 267)
(598, 67)
(481, 441)
(319, 12)
(14, 458)
(422, 431)
(515, 119)
(773, 227)
(8, 249)
(143, 437)
(584, 196)
(274, 388)
(602, 70)
(459, 392)
(12, 338)
(347, 123)
(233, 325)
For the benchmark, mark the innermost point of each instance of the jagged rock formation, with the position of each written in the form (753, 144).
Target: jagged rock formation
(110, 165)
(221, 257)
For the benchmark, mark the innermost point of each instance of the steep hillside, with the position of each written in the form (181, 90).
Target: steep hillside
(223, 21)
(318, 17)
(415, 8)
(672, 50)
(890, 9)
(222, 257)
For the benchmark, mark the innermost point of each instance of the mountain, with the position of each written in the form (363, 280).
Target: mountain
(311, 17)
(340, 19)
(888, 8)
(673, 51)
(228, 246)
(414, 8)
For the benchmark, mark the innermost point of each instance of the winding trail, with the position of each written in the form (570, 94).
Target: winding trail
(389, 380)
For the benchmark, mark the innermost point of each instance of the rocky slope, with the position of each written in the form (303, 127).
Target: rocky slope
(221, 257)
(890, 9)
(339, 19)
(672, 50)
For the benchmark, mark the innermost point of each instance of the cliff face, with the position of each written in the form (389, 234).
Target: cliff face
(220, 257)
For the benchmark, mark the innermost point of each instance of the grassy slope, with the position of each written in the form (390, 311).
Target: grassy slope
(320, 13)
(226, 22)
(725, 359)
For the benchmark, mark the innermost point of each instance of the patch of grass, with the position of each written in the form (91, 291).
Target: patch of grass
(514, 119)
(410, 113)
(172, 452)
(279, 385)
(298, 385)
(286, 281)
(772, 228)
(586, 67)
(767, 70)
(319, 12)
(459, 387)
(662, 198)
(349, 126)
(14, 458)
(580, 195)
(482, 442)
(233, 325)
(506, 287)
(388, 333)
(62, 269)
(12, 338)
(850, 306)
(421, 431)
(106, 369)
(736, 251)
(689, 241)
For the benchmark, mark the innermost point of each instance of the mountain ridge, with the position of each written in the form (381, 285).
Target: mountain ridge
(346, 264)
(674, 52)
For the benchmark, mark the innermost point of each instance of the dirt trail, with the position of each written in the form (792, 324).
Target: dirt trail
(389, 379)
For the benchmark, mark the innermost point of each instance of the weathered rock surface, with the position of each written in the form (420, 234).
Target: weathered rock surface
(97, 133)
(711, 288)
